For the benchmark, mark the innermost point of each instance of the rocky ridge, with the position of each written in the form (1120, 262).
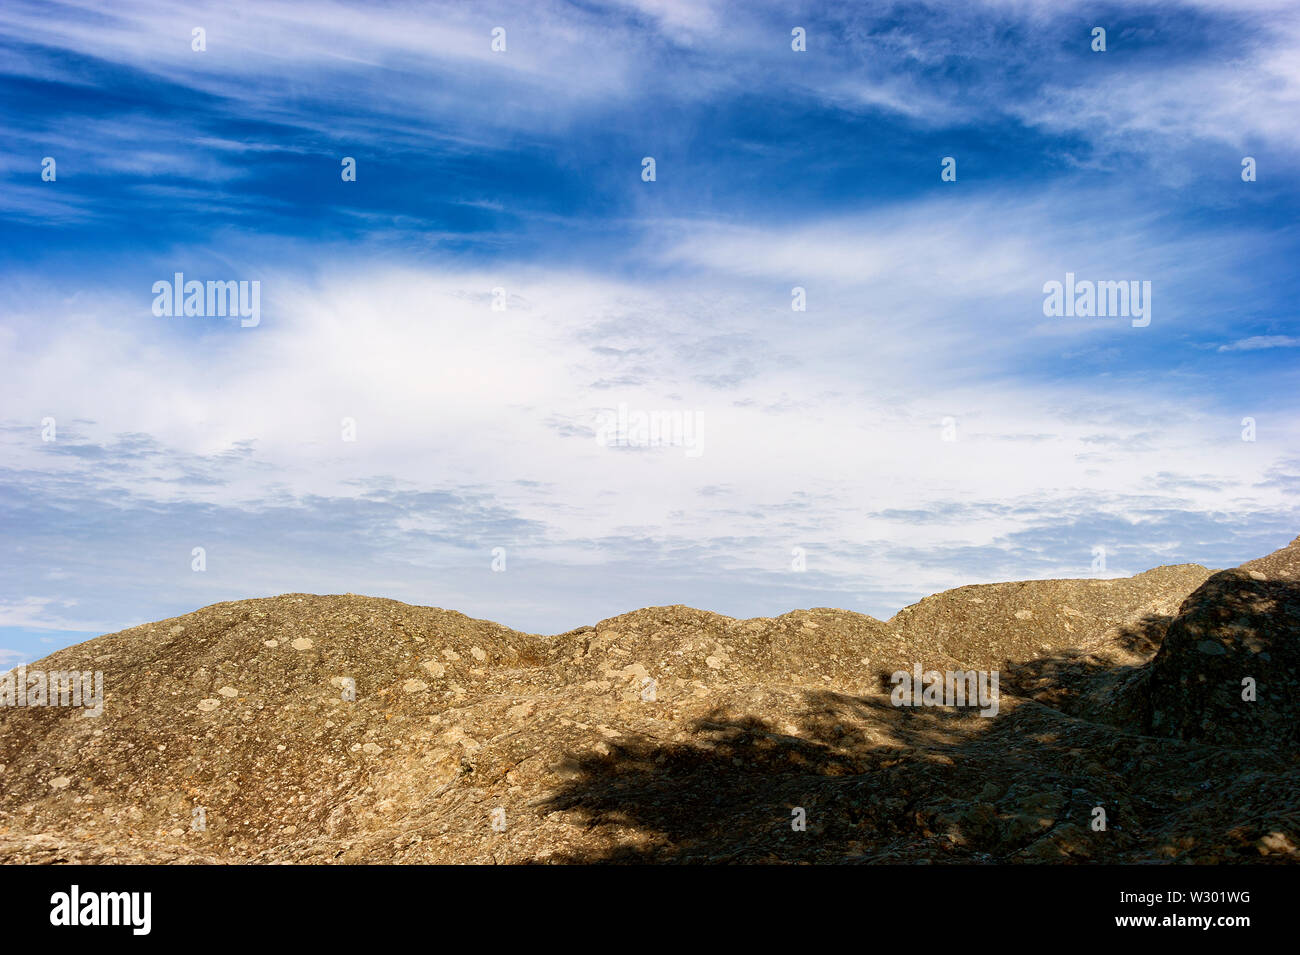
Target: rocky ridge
(313, 729)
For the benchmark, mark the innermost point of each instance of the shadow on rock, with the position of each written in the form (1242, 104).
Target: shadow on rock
(1167, 754)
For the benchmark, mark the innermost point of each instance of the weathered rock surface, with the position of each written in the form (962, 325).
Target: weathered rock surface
(1236, 638)
(1282, 564)
(317, 729)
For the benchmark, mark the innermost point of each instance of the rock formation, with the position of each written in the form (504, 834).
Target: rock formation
(314, 729)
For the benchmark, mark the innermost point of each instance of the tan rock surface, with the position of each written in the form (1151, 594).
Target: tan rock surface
(674, 734)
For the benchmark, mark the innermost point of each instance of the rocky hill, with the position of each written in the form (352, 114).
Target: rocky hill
(350, 729)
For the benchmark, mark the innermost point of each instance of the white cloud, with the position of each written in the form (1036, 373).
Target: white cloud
(820, 429)
(1257, 342)
(36, 613)
(409, 61)
(823, 427)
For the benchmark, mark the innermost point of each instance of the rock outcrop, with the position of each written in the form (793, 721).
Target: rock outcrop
(311, 729)
(1228, 670)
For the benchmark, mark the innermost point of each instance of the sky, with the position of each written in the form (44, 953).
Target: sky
(422, 407)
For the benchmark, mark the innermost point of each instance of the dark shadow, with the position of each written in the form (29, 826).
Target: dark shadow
(1081, 684)
(881, 783)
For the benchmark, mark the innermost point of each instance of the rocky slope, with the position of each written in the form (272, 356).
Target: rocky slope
(350, 729)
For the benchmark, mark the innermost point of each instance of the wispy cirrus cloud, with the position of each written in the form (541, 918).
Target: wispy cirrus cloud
(921, 424)
(1258, 342)
(466, 456)
(43, 613)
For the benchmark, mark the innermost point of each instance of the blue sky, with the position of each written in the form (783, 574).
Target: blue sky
(520, 170)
